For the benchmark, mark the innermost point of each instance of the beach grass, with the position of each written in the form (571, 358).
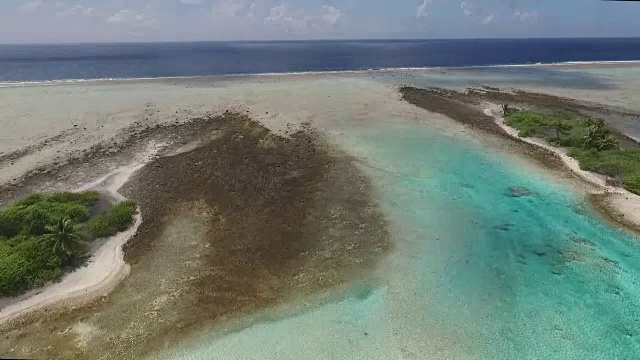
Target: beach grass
(42, 235)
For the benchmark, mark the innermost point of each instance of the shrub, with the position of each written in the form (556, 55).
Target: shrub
(35, 222)
(76, 212)
(623, 164)
(63, 197)
(100, 226)
(31, 215)
(26, 262)
(528, 123)
(10, 222)
(121, 215)
(30, 200)
(570, 140)
(118, 219)
(86, 198)
(632, 183)
(599, 137)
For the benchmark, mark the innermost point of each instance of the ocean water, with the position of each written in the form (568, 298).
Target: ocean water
(28, 63)
(494, 260)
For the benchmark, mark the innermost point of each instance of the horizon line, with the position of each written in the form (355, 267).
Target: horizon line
(309, 40)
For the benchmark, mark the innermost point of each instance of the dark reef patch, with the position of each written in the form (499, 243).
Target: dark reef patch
(279, 218)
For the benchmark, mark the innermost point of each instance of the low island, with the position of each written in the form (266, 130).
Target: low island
(596, 146)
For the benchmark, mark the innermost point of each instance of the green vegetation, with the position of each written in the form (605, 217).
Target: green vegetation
(42, 235)
(64, 239)
(119, 219)
(621, 165)
(589, 140)
(598, 136)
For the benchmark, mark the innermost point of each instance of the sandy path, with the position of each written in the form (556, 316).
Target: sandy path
(106, 268)
(625, 203)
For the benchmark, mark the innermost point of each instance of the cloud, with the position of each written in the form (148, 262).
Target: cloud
(330, 15)
(297, 21)
(526, 17)
(122, 16)
(477, 13)
(31, 6)
(285, 17)
(421, 11)
(133, 21)
(230, 8)
(488, 19)
(467, 9)
(76, 10)
(191, 2)
(88, 11)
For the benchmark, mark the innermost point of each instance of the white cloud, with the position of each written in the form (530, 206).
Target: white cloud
(133, 20)
(526, 17)
(296, 20)
(229, 8)
(467, 9)
(76, 10)
(330, 15)
(88, 11)
(421, 11)
(477, 13)
(279, 15)
(121, 17)
(252, 10)
(488, 19)
(31, 6)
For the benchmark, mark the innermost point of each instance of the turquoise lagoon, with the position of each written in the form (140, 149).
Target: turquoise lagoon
(493, 259)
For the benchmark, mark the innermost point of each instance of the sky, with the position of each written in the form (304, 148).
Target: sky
(68, 21)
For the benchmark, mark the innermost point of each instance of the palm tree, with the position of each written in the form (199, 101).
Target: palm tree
(506, 110)
(560, 127)
(599, 137)
(64, 238)
(589, 121)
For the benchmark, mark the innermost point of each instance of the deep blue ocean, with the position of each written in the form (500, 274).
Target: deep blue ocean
(150, 60)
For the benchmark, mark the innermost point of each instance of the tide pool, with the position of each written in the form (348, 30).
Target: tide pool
(493, 260)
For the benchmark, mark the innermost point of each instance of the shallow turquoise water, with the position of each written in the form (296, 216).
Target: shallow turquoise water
(477, 273)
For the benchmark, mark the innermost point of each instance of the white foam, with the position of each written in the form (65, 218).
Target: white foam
(4, 84)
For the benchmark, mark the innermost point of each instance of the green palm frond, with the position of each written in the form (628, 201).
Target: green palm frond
(64, 238)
